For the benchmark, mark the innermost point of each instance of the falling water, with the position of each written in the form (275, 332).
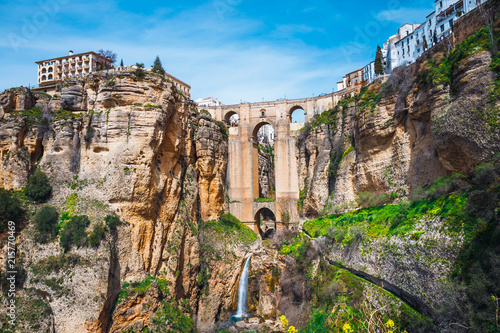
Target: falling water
(242, 292)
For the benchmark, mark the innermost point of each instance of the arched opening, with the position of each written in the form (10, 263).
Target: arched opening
(44, 78)
(51, 77)
(265, 223)
(44, 71)
(297, 115)
(232, 119)
(264, 179)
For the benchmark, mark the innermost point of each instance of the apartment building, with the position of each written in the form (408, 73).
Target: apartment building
(55, 70)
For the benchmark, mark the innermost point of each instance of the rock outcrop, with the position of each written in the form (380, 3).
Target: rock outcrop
(140, 149)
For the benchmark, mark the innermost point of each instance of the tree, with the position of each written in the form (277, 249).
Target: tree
(74, 233)
(425, 44)
(379, 66)
(435, 37)
(46, 223)
(108, 54)
(157, 67)
(121, 63)
(10, 208)
(38, 188)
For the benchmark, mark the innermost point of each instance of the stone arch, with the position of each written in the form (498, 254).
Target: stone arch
(227, 118)
(259, 125)
(267, 230)
(293, 109)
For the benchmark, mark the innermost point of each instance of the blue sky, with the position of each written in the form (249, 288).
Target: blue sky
(234, 50)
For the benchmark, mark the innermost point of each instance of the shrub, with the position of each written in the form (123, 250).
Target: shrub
(74, 233)
(10, 208)
(112, 221)
(169, 318)
(46, 223)
(96, 235)
(365, 199)
(223, 129)
(38, 188)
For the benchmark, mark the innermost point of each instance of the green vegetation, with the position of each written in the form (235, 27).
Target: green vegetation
(74, 233)
(139, 72)
(157, 67)
(31, 117)
(170, 319)
(10, 208)
(223, 129)
(112, 221)
(97, 234)
(441, 69)
(46, 224)
(56, 264)
(379, 57)
(264, 200)
(468, 208)
(38, 188)
(230, 229)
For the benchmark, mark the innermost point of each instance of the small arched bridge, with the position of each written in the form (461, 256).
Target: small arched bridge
(243, 165)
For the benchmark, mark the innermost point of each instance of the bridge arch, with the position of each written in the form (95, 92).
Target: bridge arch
(265, 222)
(229, 114)
(296, 108)
(259, 125)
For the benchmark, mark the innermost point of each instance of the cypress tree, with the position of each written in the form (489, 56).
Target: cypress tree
(379, 66)
(157, 67)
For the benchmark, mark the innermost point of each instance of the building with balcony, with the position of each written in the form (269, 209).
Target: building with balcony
(53, 71)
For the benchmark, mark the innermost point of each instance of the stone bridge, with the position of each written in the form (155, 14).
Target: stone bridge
(243, 166)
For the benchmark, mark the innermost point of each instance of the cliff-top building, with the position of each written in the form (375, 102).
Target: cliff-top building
(55, 70)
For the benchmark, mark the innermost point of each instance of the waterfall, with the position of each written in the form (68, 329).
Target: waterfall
(242, 292)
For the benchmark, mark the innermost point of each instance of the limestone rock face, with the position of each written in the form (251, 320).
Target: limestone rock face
(411, 137)
(137, 146)
(16, 99)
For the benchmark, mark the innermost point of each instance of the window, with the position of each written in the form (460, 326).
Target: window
(263, 114)
(441, 4)
(442, 27)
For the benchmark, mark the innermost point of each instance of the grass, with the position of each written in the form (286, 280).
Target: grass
(264, 200)
(229, 230)
(391, 220)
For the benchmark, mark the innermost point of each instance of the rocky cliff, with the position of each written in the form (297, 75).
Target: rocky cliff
(115, 143)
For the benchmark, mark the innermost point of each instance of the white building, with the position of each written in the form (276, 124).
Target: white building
(392, 60)
(210, 101)
(438, 26)
(369, 73)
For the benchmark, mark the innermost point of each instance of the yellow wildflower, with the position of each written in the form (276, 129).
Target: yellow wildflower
(390, 324)
(292, 329)
(347, 328)
(284, 321)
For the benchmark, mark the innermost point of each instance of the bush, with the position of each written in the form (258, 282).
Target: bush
(169, 318)
(365, 199)
(96, 235)
(223, 129)
(38, 188)
(46, 223)
(74, 233)
(112, 221)
(10, 208)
